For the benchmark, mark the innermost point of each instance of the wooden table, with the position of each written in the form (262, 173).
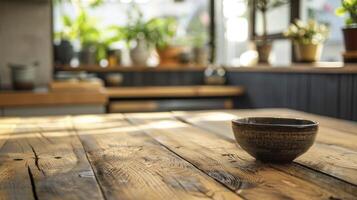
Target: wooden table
(177, 155)
(30, 98)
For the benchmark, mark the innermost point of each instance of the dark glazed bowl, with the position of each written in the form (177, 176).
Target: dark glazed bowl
(275, 140)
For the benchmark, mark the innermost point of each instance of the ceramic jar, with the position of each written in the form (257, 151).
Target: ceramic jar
(141, 53)
(23, 76)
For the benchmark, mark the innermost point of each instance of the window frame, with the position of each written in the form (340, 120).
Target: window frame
(294, 14)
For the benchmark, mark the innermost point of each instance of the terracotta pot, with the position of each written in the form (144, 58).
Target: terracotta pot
(308, 52)
(170, 55)
(264, 50)
(350, 38)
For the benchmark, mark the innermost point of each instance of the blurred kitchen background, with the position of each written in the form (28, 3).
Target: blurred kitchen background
(126, 53)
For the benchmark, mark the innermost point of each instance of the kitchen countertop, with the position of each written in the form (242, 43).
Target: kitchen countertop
(85, 95)
(174, 91)
(46, 98)
(313, 68)
(318, 67)
(176, 155)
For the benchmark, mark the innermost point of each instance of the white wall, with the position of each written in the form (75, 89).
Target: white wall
(25, 37)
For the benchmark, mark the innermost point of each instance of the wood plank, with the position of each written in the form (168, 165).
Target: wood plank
(319, 67)
(133, 106)
(310, 68)
(10, 99)
(332, 153)
(131, 165)
(60, 123)
(45, 165)
(220, 158)
(38, 124)
(173, 91)
(14, 177)
(220, 123)
(166, 68)
(76, 86)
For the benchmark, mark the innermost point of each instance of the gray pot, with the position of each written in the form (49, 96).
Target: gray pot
(63, 52)
(88, 56)
(23, 76)
(141, 53)
(201, 55)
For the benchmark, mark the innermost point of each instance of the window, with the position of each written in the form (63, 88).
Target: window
(324, 12)
(192, 16)
(232, 30)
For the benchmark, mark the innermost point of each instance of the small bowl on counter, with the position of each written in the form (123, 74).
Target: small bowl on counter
(274, 140)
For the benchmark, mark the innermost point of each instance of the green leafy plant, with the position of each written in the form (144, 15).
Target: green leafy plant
(197, 31)
(200, 39)
(307, 33)
(348, 7)
(85, 29)
(66, 32)
(157, 32)
(91, 3)
(162, 31)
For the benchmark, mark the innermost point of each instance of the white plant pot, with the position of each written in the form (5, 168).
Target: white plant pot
(141, 53)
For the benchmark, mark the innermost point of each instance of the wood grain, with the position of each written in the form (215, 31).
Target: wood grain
(14, 178)
(60, 123)
(332, 153)
(133, 106)
(76, 86)
(333, 123)
(131, 165)
(179, 155)
(11, 99)
(44, 165)
(222, 160)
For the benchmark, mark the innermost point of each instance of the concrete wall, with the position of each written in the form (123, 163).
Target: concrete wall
(25, 37)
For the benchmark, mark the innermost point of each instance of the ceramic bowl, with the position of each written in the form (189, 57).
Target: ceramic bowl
(275, 140)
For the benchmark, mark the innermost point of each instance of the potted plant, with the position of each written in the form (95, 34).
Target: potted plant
(137, 30)
(308, 39)
(63, 50)
(350, 30)
(163, 30)
(263, 45)
(200, 49)
(147, 35)
(88, 36)
(82, 28)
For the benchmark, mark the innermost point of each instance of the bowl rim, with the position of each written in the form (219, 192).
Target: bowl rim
(240, 121)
